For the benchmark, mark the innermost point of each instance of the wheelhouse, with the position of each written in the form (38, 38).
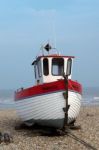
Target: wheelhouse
(51, 68)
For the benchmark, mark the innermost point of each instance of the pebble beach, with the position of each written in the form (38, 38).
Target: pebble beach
(31, 139)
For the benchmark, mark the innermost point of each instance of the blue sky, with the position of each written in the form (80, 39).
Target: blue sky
(27, 24)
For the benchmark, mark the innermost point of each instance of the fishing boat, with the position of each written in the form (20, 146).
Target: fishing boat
(45, 102)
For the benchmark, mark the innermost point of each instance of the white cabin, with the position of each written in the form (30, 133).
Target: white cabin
(51, 68)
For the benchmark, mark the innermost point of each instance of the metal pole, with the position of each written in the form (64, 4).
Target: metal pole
(66, 98)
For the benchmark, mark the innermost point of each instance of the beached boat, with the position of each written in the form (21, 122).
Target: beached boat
(45, 103)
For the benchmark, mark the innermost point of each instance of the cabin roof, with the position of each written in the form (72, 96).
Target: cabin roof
(53, 56)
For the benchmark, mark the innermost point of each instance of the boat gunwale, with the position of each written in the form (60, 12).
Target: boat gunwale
(47, 88)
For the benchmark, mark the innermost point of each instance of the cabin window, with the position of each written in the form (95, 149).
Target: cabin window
(45, 67)
(35, 71)
(69, 66)
(39, 68)
(57, 66)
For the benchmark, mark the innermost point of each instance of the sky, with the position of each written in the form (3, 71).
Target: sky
(72, 26)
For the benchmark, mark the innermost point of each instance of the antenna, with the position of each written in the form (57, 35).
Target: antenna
(54, 33)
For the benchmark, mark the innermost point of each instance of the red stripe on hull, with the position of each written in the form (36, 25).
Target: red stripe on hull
(47, 88)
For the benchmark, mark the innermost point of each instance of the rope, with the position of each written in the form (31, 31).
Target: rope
(68, 132)
(81, 141)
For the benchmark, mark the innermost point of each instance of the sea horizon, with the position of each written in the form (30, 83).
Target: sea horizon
(90, 95)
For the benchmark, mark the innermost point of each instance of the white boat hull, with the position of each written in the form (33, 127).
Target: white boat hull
(47, 109)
